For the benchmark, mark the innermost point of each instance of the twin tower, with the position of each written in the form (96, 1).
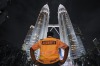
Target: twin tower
(66, 31)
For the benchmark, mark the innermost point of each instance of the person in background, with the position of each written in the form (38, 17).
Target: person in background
(49, 51)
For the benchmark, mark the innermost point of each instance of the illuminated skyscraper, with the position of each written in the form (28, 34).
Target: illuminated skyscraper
(68, 34)
(37, 32)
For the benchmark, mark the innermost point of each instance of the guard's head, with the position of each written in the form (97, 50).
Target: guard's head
(50, 34)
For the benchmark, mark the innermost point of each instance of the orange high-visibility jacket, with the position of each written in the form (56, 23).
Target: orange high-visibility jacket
(49, 50)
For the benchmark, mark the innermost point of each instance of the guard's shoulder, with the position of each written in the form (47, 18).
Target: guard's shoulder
(57, 39)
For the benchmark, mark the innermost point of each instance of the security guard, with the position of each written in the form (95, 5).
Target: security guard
(49, 51)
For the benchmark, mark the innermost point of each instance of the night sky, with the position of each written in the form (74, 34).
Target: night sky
(23, 13)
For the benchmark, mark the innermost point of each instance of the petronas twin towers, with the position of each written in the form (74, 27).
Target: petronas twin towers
(66, 32)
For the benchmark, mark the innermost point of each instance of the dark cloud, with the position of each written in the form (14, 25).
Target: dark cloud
(86, 13)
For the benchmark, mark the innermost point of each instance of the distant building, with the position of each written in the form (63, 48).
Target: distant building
(97, 44)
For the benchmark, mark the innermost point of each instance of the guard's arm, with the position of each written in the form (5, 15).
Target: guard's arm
(66, 53)
(66, 50)
(32, 55)
(32, 51)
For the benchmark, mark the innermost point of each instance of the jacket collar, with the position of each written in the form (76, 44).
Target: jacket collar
(49, 37)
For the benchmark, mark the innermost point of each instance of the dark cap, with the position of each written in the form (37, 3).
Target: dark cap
(50, 33)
